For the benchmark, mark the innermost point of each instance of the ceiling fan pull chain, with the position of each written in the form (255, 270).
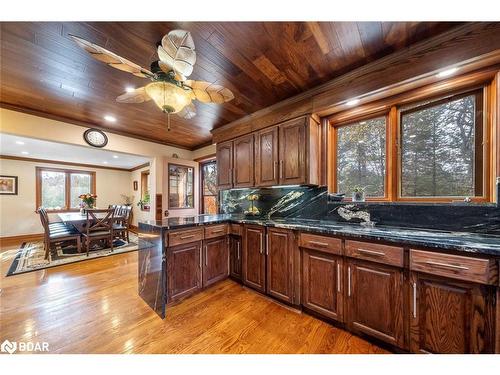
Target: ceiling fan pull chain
(168, 121)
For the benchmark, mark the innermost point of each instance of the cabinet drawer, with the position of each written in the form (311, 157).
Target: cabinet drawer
(322, 243)
(236, 229)
(183, 236)
(391, 255)
(213, 231)
(454, 266)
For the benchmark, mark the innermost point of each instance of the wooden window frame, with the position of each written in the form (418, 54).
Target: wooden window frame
(481, 93)
(201, 179)
(444, 90)
(333, 141)
(168, 185)
(145, 188)
(67, 192)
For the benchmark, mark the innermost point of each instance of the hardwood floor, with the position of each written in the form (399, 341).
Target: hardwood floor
(93, 307)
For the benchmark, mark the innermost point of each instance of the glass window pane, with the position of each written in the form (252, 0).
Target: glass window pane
(438, 147)
(181, 185)
(53, 190)
(209, 173)
(209, 204)
(80, 184)
(361, 157)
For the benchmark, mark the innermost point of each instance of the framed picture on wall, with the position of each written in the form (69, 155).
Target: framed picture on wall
(136, 186)
(8, 185)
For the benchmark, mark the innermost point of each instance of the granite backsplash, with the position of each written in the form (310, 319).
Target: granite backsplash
(313, 203)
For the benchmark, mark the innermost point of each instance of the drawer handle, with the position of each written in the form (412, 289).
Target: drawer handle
(446, 265)
(186, 237)
(414, 300)
(338, 277)
(321, 244)
(371, 252)
(348, 281)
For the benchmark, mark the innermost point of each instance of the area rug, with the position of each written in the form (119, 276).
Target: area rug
(31, 255)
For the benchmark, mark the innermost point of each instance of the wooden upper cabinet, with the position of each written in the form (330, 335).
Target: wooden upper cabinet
(285, 154)
(224, 155)
(292, 152)
(375, 302)
(266, 157)
(243, 162)
(450, 316)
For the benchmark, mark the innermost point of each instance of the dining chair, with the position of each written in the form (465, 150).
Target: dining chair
(99, 226)
(121, 226)
(56, 233)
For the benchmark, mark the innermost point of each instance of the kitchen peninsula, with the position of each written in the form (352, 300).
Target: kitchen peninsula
(387, 283)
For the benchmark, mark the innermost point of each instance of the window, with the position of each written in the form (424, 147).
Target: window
(361, 156)
(425, 145)
(442, 148)
(145, 195)
(58, 189)
(208, 171)
(180, 186)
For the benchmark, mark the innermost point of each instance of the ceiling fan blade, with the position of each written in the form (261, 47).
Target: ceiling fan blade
(177, 52)
(188, 111)
(137, 96)
(111, 59)
(207, 92)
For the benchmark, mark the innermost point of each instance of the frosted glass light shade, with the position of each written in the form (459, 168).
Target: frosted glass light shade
(168, 97)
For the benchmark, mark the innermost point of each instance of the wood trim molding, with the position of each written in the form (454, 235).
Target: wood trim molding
(471, 46)
(205, 158)
(145, 165)
(58, 162)
(51, 116)
(19, 239)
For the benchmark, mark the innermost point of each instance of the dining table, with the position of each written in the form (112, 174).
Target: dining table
(79, 220)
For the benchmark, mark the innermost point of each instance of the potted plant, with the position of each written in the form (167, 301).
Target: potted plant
(127, 199)
(358, 194)
(144, 202)
(88, 201)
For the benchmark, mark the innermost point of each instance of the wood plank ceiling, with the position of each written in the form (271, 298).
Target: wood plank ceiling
(44, 72)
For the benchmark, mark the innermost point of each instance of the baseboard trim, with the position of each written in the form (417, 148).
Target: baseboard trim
(17, 240)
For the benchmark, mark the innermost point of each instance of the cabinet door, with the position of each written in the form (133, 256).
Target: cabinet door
(450, 316)
(280, 268)
(322, 283)
(243, 162)
(254, 258)
(266, 157)
(375, 301)
(235, 256)
(292, 151)
(183, 270)
(216, 260)
(224, 155)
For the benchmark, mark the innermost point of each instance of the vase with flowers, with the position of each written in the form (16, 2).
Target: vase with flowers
(88, 201)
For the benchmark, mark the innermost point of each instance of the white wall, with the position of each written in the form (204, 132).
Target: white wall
(17, 212)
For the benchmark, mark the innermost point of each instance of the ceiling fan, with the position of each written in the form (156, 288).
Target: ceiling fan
(170, 89)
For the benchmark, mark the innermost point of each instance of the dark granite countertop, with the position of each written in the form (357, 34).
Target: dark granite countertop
(461, 241)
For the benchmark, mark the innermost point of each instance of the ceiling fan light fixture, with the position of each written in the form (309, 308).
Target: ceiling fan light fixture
(169, 97)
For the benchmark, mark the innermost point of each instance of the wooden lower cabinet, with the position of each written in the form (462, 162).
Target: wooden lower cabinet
(280, 249)
(322, 289)
(215, 260)
(254, 257)
(375, 301)
(235, 257)
(449, 316)
(183, 270)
